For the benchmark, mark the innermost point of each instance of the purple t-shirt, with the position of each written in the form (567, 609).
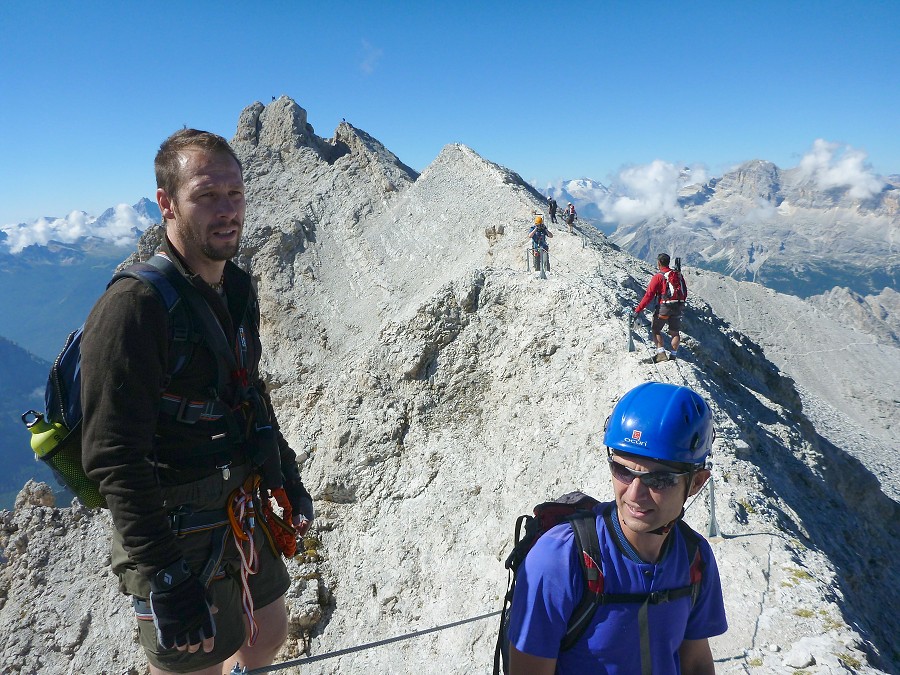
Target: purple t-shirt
(549, 586)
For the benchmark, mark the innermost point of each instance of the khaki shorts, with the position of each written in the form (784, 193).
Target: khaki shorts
(269, 584)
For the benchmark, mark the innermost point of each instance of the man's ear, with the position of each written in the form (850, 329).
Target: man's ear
(166, 204)
(699, 480)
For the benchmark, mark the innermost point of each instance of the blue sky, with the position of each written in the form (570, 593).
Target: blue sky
(551, 90)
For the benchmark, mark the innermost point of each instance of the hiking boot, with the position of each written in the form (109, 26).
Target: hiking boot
(660, 357)
(672, 356)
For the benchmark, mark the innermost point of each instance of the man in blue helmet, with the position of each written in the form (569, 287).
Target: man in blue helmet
(657, 617)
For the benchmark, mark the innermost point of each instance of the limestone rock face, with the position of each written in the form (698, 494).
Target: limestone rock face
(840, 350)
(434, 390)
(876, 315)
(60, 608)
(248, 124)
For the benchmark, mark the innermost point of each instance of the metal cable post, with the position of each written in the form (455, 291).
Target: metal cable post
(713, 524)
(543, 263)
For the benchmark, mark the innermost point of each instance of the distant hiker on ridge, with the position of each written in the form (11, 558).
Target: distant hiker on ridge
(186, 461)
(553, 206)
(570, 217)
(538, 235)
(669, 287)
(660, 591)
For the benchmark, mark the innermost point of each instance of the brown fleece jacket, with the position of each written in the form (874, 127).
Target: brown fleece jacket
(128, 447)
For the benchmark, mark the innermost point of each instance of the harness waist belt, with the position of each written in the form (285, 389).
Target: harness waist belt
(191, 522)
(191, 411)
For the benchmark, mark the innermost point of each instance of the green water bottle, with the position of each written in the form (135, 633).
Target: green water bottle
(44, 435)
(52, 444)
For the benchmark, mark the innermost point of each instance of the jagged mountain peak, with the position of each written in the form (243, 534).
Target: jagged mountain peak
(281, 125)
(363, 144)
(461, 159)
(278, 135)
(754, 180)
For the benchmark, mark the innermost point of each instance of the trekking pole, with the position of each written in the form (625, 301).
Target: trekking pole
(713, 525)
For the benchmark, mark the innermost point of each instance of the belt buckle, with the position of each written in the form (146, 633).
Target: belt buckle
(175, 519)
(179, 416)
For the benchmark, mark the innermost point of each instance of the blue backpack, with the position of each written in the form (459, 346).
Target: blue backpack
(62, 397)
(577, 509)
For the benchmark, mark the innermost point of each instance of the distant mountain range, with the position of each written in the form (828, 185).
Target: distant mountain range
(786, 229)
(49, 287)
(586, 195)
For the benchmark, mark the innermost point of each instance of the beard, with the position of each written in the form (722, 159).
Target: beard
(192, 234)
(224, 251)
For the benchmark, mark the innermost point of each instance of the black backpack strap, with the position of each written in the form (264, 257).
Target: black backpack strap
(209, 324)
(186, 307)
(181, 330)
(587, 546)
(501, 649)
(513, 562)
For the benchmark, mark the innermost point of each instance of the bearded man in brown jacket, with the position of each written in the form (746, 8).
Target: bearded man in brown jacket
(178, 457)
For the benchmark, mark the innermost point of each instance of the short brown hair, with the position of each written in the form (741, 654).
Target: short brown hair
(663, 259)
(167, 164)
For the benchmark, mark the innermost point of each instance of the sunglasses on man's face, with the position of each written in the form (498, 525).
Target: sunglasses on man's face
(654, 480)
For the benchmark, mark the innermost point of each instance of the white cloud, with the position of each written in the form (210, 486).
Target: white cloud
(117, 228)
(832, 165)
(371, 56)
(121, 227)
(695, 175)
(646, 191)
(764, 211)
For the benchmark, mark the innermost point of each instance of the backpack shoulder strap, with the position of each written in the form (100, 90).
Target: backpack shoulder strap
(587, 546)
(209, 324)
(181, 329)
(698, 565)
(526, 532)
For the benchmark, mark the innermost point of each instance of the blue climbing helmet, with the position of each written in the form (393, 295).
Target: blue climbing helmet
(663, 422)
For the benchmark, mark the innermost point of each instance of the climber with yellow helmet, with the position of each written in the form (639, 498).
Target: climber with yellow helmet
(538, 235)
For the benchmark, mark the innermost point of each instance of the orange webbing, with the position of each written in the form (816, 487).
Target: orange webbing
(282, 530)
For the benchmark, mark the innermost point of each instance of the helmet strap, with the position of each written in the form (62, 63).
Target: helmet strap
(665, 529)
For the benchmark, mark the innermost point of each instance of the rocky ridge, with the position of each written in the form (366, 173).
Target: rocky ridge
(435, 390)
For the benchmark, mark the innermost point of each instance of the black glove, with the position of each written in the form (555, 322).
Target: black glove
(180, 606)
(301, 501)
